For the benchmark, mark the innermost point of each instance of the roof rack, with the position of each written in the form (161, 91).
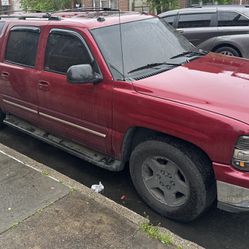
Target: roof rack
(51, 17)
(86, 9)
(24, 17)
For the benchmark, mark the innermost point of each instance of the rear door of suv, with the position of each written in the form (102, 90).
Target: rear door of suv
(197, 26)
(18, 71)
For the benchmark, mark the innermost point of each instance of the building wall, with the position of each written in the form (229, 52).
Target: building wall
(16, 4)
(121, 4)
(183, 3)
(13, 5)
(5, 6)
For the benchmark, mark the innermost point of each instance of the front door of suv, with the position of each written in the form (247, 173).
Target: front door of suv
(80, 112)
(18, 73)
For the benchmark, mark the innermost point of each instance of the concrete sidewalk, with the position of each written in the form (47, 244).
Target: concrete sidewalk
(41, 208)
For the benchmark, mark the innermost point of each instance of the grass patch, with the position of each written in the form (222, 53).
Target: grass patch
(45, 173)
(154, 233)
(72, 189)
(15, 225)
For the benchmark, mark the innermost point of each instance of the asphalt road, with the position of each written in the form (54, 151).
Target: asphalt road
(215, 229)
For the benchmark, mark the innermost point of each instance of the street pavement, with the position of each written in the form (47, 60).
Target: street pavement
(41, 208)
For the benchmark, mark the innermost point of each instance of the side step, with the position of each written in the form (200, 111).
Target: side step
(75, 149)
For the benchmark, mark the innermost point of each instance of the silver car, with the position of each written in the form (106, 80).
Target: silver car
(214, 28)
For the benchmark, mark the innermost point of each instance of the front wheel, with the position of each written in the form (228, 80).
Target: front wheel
(229, 51)
(171, 181)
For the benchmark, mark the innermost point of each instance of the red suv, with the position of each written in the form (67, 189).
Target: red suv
(123, 89)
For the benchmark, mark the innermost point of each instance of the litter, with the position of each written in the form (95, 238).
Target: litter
(123, 197)
(98, 188)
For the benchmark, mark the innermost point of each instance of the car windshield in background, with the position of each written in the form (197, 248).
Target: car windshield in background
(148, 47)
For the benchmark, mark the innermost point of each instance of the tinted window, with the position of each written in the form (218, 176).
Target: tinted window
(65, 50)
(22, 46)
(227, 18)
(195, 20)
(169, 19)
(1, 27)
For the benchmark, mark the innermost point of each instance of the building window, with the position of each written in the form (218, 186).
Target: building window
(105, 4)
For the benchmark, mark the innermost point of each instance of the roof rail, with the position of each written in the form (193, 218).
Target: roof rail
(86, 9)
(25, 17)
(50, 15)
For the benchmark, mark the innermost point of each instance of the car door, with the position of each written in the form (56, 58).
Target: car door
(18, 72)
(197, 27)
(80, 112)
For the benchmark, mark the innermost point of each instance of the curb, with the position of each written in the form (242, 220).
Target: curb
(102, 200)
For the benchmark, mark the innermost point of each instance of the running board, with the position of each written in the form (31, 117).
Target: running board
(75, 149)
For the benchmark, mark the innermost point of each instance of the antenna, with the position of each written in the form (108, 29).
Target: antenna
(121, 43)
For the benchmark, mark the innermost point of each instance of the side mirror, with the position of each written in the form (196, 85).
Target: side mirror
(83, 74)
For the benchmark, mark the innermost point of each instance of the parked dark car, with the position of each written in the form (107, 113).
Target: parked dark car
(200, 24)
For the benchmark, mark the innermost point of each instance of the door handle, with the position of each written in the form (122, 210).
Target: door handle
(5, 75)
(43, 85)
(181, 31)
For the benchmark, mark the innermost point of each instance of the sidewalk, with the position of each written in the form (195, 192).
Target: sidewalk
(41, 208)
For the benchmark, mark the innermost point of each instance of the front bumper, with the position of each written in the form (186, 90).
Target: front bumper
(232, 188)
(232, 198)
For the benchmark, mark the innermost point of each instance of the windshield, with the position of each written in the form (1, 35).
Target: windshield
(146, 44)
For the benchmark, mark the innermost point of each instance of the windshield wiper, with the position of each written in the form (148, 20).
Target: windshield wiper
(151, 65)
(189, 54)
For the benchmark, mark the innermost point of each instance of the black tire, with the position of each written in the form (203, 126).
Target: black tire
(193, 172)
(226, 50)
(2, 117)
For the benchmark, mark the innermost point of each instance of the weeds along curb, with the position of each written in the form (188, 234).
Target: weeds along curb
(102, 200)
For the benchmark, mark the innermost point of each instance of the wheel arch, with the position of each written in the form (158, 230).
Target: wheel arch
(136, 135)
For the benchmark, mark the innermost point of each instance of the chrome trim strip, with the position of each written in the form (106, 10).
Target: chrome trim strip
(73, 125)
(20, 106)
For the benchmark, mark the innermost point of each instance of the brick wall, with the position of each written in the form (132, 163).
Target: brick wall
(6, 8)
(124, 5)
(87, 3)
(183, 3)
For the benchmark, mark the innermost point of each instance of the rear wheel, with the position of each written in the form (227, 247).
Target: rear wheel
(229, 51)
(174, 183)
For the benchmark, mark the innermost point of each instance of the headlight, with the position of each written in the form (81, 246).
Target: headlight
(241, 154)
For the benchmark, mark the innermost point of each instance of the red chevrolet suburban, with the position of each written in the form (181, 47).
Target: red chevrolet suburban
(124, 89)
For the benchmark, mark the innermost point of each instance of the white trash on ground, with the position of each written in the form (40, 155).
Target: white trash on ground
(97, 187)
